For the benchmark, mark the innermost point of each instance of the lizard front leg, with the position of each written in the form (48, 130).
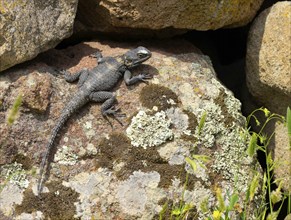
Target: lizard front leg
(98, 56)
(129, 80)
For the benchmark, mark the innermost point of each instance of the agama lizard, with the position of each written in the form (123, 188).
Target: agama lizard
(95, 85)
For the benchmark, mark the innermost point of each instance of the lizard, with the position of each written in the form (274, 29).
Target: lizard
(96, 85)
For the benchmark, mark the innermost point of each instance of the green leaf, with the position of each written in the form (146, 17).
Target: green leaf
(186, 208)
(265, 179)
(204, 205)
(252, 145)
(233, 200)
(270, 160)
(192, 163)
(258, 123)
(253, 186)
(276, 196)
(263, 138)
(267, 112)
(176, 211)
(203, 158)
(14, 110)
(221, 204)
(202, 122)
(272, 216)
(163, 211)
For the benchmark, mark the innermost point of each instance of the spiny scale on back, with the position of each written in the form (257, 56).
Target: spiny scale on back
(95, 85)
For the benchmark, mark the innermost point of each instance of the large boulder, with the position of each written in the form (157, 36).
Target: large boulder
(135, 17)
(130, 171)
(268, 73)
(268, 58)
(28, 28)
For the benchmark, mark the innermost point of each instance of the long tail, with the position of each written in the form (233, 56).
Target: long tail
(72, 106)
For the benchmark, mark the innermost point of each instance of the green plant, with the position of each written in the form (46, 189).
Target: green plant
(198, 160)
(222, 211)
(202, 122)
(179, 211)
(14, 110)
(260, 142)
(257, 142)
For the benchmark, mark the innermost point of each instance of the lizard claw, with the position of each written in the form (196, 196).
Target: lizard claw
(97, 55)
(62, 72)
(65, 74)
(144, 77)
(115, 113)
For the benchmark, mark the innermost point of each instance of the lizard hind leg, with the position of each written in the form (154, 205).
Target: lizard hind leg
(107, 108)
(71, 77)
(83, 77)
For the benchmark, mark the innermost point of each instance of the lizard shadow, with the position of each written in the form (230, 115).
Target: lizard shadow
(68, 57)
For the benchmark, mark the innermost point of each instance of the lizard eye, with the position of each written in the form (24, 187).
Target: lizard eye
(141, 55)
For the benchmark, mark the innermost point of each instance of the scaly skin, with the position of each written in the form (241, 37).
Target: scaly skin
(95, 85)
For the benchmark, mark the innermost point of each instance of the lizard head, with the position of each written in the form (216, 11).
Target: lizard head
(136, 56)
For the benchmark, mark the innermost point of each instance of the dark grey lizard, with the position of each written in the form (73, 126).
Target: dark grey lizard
(95, 85)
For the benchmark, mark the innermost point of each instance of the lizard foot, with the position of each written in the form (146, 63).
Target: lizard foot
(144, 77)
(98, 56)
(115, 113)
(65, 74)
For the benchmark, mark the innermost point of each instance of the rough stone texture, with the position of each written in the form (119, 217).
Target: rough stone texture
(268, 70)
(35, 90)
(288, 217)
(268, 58)
(30, 27)
(99, 170)
(282, 155)
(135, 17)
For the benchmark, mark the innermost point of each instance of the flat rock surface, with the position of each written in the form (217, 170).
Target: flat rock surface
(130, 171)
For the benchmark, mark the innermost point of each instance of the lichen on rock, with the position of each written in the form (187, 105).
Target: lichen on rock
(233, 149)
(65, 156)
(15, 174)
(139, 191)
(148, 130)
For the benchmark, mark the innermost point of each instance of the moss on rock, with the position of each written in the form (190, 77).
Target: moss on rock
(57, 204)
(159, 96)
